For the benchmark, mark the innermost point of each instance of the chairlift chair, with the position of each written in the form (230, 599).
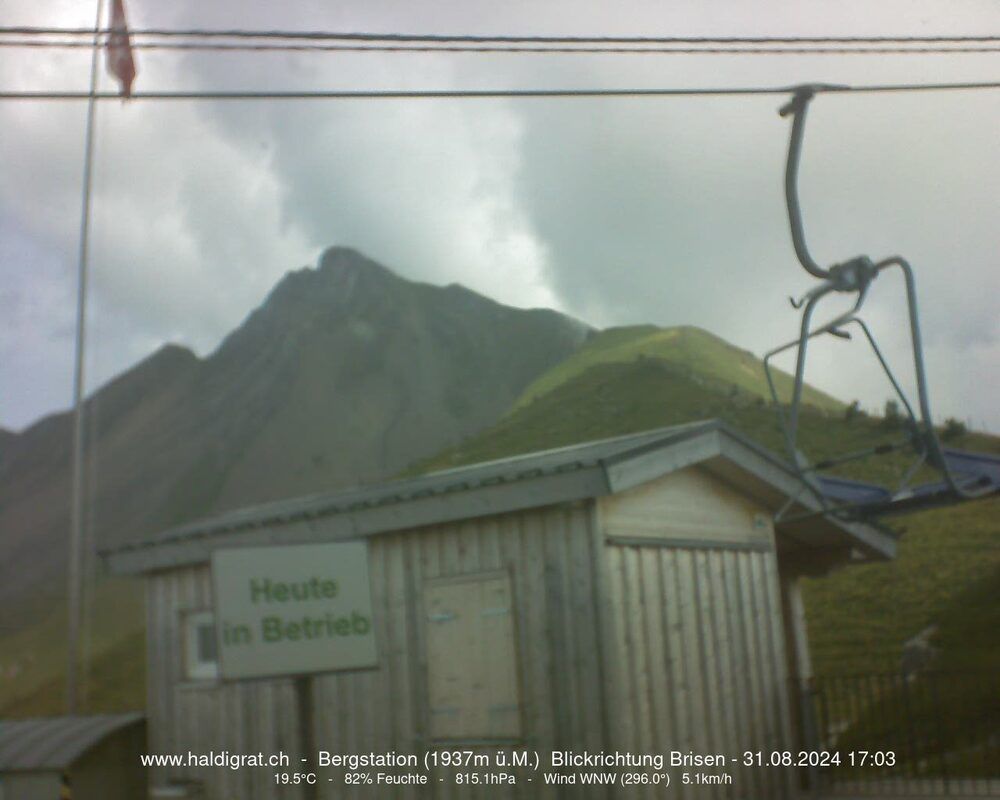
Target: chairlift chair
(962, 475)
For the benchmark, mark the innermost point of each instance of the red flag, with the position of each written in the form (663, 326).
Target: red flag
(119, 48)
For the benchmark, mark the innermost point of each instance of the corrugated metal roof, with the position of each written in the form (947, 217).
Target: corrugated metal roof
(568, 473)
(53, 743)
(458, 479)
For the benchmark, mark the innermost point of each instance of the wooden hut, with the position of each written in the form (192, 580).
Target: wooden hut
(628, 595)
(87, 758)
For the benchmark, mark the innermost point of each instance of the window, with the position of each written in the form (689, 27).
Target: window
(201, 658)
(473, 691)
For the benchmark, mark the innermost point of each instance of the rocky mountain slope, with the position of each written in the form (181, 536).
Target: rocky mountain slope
(345, 374)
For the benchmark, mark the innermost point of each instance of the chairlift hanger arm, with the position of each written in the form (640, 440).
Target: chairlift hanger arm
(854, 275)
(797, 107)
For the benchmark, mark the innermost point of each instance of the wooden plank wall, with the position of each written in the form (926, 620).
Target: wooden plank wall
(695, 604)
(700, 660)
(550, 555)
(248, 717)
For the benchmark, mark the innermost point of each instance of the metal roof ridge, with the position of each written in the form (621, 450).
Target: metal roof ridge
(396, 491)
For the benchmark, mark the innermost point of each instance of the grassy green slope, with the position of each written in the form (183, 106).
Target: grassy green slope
(948, 569)
(116, 681)
(33, 660)
(697, 351)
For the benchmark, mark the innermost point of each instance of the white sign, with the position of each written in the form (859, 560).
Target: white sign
(293, 610)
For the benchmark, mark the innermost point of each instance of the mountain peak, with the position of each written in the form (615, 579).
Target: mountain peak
(338, 275)
(341, 276)
(345, 262)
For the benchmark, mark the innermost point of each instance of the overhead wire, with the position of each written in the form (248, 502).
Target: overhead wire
(673, 49)
(237, 33)
(470, 94)
(280, 40)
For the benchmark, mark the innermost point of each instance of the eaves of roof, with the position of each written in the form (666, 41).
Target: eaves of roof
(578, 472)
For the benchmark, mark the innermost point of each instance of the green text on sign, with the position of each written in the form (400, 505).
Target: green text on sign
(293, 610)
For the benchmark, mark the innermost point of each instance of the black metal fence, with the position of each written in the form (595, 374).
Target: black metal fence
(925, 734)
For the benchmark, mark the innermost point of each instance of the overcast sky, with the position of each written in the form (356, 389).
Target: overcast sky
(616, 211)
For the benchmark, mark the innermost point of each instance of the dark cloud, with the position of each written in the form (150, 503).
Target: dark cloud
(617, 211)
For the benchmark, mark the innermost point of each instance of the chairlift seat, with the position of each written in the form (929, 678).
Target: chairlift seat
(980, 471)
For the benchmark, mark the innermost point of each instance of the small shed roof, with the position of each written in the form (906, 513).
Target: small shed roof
(592, 469)
(54, 743)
